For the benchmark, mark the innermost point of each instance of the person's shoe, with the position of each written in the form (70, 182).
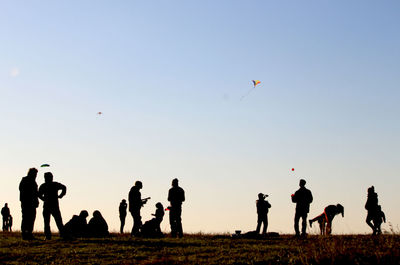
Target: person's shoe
(310, 223)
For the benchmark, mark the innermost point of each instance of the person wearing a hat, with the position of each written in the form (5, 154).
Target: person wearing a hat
(262, 213)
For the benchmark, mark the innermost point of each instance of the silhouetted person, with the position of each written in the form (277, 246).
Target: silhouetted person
(77, 226)
(325, 219)
(372, 207)
(152, 227)
(135, 204)
(122, 214)
(302, 197)
(262, 213)
(378, 219)
(5, 212)
(176, 196)
(48, 193)
(97, 226)
(10, 223)
(28, 195)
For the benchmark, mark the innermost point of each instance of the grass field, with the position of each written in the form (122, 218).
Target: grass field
(202, 249)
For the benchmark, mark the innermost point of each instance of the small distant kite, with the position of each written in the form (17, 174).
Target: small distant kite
(255, 83)
(45, 165)
(99, 113)
(292, 169)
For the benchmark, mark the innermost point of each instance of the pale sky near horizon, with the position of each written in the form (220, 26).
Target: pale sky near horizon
(169, 76)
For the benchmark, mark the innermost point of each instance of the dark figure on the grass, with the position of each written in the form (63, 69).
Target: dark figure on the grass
(122, 214)
(28, 195)
(372, 208)
(262, 213)
(302, 197)
(97, 226)
(10, 223)
(378, 219)
(135, 204)
(48, 193)
(152, 227)
(77, 226)
(325, 219)
(176, 196)
(5, 212)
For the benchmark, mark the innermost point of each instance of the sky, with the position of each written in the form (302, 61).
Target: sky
(169, 78)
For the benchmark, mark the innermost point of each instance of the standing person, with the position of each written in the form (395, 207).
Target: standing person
(5, 212)
(262, 213)
(48, 193)
(122, 214)
(325, 219)
(28, 195)
(378, 219)
(302, 197)
(372, 208)
(135, 204)
(176, 196)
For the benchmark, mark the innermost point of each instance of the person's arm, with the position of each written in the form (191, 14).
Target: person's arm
(63, 190)
(41, 192)
(383, 217)
(183, 195)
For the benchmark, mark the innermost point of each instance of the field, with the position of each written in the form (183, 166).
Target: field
(202, 249)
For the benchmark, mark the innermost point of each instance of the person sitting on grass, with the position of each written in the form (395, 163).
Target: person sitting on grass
(152, 228)
(97, 226)
(77, 226)
(325, 219)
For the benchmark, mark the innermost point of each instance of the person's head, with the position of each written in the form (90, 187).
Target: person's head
(175, 182)
(97, 214)
(123, 201)
(32, 172)
(371, 190)
(84, 214)
(159, 205)
(340, 209)
(5, 205)
(138, 184)
(261, 196)
(379, 208)
(48, 177)
(302, 183)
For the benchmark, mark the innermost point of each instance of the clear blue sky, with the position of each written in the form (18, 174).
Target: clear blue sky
(169, 77)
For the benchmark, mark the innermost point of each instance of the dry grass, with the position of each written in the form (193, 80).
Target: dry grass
(202, 249)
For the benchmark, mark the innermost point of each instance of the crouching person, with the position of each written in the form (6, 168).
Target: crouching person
(152, 228)
(97, 226)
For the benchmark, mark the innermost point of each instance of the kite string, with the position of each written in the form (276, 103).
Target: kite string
(251, 90)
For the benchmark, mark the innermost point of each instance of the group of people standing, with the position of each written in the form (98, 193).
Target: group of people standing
(303, 198)
(7, 218)
(50, 192)
(176, 196)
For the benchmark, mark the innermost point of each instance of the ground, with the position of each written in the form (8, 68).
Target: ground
(202, 249)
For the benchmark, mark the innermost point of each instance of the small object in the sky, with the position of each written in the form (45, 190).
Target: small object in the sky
(45, 165)
(292, 169)
(256, 82)
(99, 113)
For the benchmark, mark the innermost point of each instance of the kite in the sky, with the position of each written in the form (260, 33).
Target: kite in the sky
(255, 83)
(292, 169)
(45, 165)
(99, 113)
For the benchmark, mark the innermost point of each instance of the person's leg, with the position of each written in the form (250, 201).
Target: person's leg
(122, 218)
(46, 220)
(137, 222)
(178, 219)
(304, 223)
(172, 221)
(57, 217)
(369, 223)
(259, 221)
(296, 223)
(265, 221)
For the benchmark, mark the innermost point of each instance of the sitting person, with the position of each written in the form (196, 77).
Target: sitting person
(378, 219)
(152, 228)
(77, 226)
(97, 226)
(325, 219)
